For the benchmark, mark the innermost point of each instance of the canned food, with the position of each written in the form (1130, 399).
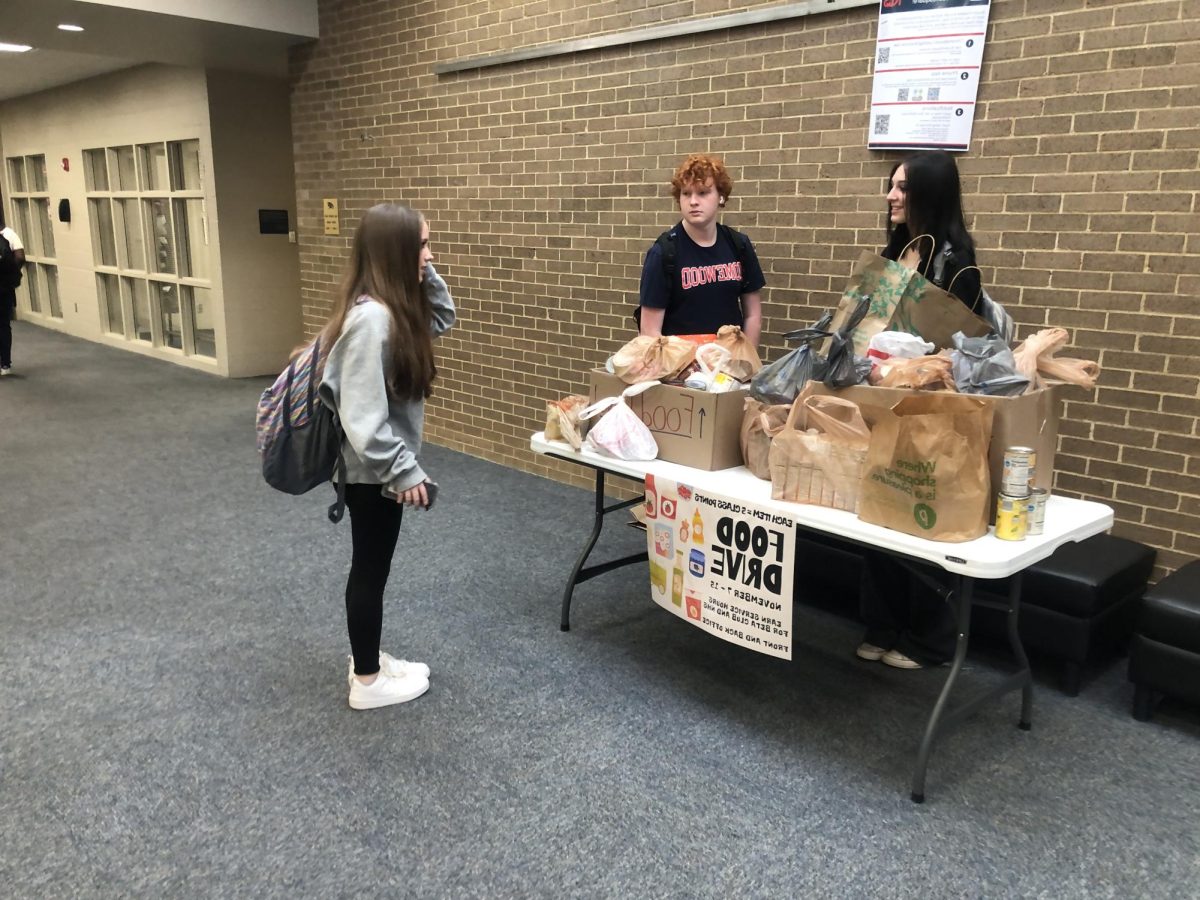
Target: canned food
(1011, 521)
(1020, 464)
(1035, 507)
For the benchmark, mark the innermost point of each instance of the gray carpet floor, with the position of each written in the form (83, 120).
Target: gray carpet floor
(173, 687)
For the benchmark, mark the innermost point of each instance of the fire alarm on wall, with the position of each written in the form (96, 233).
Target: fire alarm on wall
(66, 164)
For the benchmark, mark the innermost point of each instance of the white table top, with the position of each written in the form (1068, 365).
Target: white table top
(985, 557)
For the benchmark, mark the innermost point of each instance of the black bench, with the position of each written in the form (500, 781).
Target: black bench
(1164, 657)
(1078, 604)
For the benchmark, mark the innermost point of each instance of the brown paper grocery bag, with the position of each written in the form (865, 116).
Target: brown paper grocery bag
(819, 454)
(935, 315)
(927, 468)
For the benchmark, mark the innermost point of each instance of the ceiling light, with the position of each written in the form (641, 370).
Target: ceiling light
(14, 48)
(66, 27)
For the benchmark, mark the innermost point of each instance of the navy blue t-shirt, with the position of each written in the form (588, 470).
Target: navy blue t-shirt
(709, 280)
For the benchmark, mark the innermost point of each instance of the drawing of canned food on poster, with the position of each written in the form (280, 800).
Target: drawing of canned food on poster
(724, 565)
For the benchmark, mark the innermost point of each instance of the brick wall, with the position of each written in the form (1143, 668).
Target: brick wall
(545, 181)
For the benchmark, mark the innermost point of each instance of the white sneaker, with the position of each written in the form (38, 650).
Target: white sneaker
(7, 370)
(898, 660)
(386, 690)
(870, 652)
(397, 668)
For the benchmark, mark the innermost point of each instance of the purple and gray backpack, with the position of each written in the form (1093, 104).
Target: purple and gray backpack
(299, 437)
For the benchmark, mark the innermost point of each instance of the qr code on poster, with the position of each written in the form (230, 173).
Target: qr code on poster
(902, 94)
(882, 55)
(881, 123)
(934, 92)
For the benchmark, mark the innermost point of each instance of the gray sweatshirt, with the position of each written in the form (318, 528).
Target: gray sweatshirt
(383, 434)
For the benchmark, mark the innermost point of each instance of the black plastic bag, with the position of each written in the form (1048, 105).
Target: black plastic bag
(782, 380)
(985, 365)
(846, 369)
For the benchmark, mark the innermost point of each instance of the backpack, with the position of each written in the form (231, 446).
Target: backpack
(669, 249)
(299, 437)
(10, 269)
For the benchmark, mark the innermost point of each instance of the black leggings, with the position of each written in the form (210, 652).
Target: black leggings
(374, 527)
(8, 303)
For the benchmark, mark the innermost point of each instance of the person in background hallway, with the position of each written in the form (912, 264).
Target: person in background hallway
(379, 371)
(714, 278)
(909, 625)
(12, 260)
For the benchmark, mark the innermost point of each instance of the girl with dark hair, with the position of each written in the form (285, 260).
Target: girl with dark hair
(378, 373)
(924, 197)
(908, 625)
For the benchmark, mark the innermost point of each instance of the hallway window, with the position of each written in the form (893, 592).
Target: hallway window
(29, 205)
(149, 222)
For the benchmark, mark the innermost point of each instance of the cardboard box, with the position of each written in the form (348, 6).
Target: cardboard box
(692, 428)
(1030, 420)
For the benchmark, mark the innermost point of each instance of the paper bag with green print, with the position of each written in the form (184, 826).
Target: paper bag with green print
(902, 299)
(926, 472)
(885, 283)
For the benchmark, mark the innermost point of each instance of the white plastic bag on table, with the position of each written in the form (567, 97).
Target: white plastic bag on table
(888, 344)
(620, 432)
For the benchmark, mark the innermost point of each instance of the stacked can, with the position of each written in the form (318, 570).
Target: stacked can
(1015, 503)
(1036, 507)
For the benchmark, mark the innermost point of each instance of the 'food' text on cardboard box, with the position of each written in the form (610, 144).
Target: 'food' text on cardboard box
(692, 428)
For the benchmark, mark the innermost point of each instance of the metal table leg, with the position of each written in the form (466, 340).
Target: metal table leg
(579, 574)
(942, 718)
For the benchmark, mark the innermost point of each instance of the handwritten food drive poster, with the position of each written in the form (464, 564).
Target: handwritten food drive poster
(724, 565)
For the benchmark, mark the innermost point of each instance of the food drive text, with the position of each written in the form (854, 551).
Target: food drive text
(750, 555)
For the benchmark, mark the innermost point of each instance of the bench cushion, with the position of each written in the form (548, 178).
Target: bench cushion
(1085, 578)
(1171, 610)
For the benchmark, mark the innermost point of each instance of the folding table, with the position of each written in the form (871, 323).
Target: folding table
(987, 557)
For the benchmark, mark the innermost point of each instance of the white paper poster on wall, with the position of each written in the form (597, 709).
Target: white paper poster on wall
(721, 564)
(927, 62)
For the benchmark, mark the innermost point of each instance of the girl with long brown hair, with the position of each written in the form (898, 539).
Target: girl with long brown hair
(379, 371)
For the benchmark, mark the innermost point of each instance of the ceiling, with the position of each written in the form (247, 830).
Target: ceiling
(117, 38)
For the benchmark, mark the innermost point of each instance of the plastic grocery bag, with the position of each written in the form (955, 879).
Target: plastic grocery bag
(899, 345)
(562, 419)
(925, 373)
(620, 432)
(743, 361)
(648, 358)
(782, 380)
(760, 423)
(985, 365)
(844, 367)
(1035, 357)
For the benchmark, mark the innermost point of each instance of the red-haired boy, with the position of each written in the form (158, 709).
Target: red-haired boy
(701, 274)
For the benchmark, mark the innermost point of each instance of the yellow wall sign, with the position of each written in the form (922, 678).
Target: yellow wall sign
(329, 207)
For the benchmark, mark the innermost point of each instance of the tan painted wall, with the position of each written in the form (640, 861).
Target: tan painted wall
(242, 123)
(545, 183)
(146, 104)
(252, 165)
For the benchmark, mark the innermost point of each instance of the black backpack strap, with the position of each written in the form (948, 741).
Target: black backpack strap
(669, 248)
(666, 247)
(741, 243)
(338, 509)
